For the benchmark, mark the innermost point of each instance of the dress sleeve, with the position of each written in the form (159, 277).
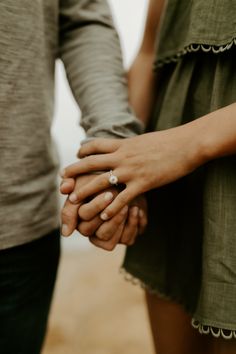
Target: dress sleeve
(90, 50)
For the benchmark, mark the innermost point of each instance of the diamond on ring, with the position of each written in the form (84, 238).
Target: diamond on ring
(112, 178)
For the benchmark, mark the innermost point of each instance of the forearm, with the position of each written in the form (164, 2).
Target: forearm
(214, 135)
(141, 76)
(90, 49)
(141, 81)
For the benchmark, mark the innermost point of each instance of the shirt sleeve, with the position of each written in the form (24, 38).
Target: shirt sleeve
(90, 50)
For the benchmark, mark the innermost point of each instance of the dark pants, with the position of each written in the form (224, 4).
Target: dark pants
(27, 277)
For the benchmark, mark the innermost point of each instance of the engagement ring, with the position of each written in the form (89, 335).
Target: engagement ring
(113, 179)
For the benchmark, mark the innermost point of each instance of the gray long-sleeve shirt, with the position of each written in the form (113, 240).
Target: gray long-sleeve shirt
(33, 34)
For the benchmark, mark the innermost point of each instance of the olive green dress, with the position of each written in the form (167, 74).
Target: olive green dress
(188, 252)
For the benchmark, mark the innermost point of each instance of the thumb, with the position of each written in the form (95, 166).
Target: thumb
(67, 185)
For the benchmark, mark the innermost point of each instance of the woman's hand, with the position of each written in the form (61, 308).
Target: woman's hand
(140, 163)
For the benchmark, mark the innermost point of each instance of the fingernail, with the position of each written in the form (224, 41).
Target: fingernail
(124, 210)
(73, 197)
(135, 211)
(104, 216)
(65, 230)
(108, 196)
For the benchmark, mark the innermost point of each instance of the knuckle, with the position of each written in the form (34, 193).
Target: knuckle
(102, 183)
(110, 246)
(84, 214)
(99, 234)
(80, 194)
(89, 162)
(117, 220)
(96, 206)
(108, 235)
(86, 229)
(104, 235)
(67, 213)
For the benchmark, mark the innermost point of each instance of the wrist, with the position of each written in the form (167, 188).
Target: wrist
(213, 135)
(199, 144)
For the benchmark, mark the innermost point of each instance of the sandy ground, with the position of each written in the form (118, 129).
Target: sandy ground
(95, 311)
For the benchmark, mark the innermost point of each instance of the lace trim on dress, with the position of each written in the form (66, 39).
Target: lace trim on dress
(135, 281)
(195, 48)
(216, 332)
(203, 329)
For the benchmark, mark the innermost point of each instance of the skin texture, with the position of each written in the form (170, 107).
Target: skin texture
(172, 330)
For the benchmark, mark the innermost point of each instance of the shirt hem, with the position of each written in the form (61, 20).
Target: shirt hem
(27, 235)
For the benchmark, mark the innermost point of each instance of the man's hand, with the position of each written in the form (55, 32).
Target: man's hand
(69, 213)
(122, 228)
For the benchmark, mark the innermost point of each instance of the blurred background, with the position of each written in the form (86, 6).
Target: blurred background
(95, 311)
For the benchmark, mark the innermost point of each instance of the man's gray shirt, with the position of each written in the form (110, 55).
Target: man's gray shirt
(33, 34)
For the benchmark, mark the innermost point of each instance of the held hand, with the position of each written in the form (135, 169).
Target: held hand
(123, 228)
(69, 213)
(141, 163)
(102, 234)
